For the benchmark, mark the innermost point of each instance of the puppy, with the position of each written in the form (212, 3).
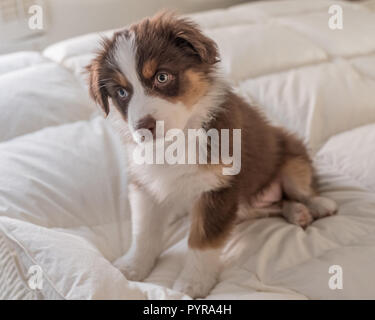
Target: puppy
(164, 69)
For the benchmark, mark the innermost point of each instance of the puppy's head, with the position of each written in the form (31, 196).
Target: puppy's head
(156, 70)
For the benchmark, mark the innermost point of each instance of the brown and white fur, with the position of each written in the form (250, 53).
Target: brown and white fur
(276, 178)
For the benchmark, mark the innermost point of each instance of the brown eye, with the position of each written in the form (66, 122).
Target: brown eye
(163, 77)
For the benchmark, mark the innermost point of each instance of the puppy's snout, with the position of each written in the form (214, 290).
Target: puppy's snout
(148, 123)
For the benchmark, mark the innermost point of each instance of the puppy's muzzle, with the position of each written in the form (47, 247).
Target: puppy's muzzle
(147, 123)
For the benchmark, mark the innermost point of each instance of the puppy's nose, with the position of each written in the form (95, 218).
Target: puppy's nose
(148, 123)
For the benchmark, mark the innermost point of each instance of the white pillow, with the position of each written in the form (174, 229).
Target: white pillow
(41, 95)
(64, 208)
(352, 154)
(19, 60)
(316, 102)
(250, 52)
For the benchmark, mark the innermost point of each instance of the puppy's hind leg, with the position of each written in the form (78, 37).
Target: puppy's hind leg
(321, 207)
(297, 185)
(296, 213)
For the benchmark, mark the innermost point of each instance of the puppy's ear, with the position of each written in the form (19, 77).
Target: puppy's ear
(189, 36)
(97, 90)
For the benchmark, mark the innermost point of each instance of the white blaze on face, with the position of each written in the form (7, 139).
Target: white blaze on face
(125, 56)
(174, 115)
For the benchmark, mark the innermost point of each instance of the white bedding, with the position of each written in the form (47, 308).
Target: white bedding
(63, 199)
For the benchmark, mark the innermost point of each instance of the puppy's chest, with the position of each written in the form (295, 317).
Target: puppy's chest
(177, 183)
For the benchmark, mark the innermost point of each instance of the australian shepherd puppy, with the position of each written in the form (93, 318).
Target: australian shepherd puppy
(164, 69)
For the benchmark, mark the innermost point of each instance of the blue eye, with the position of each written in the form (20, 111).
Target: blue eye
(122, 93)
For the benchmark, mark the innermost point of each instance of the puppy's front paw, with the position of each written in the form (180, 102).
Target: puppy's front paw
(133, 267)
(195, 285)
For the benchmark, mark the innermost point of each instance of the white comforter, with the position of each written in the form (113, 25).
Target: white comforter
(63, 200)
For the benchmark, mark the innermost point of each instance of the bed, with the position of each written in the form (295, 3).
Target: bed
(63, 187)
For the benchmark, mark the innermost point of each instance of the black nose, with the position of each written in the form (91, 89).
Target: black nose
(148, 123)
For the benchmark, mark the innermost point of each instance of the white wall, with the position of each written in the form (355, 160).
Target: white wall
(67, 18)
